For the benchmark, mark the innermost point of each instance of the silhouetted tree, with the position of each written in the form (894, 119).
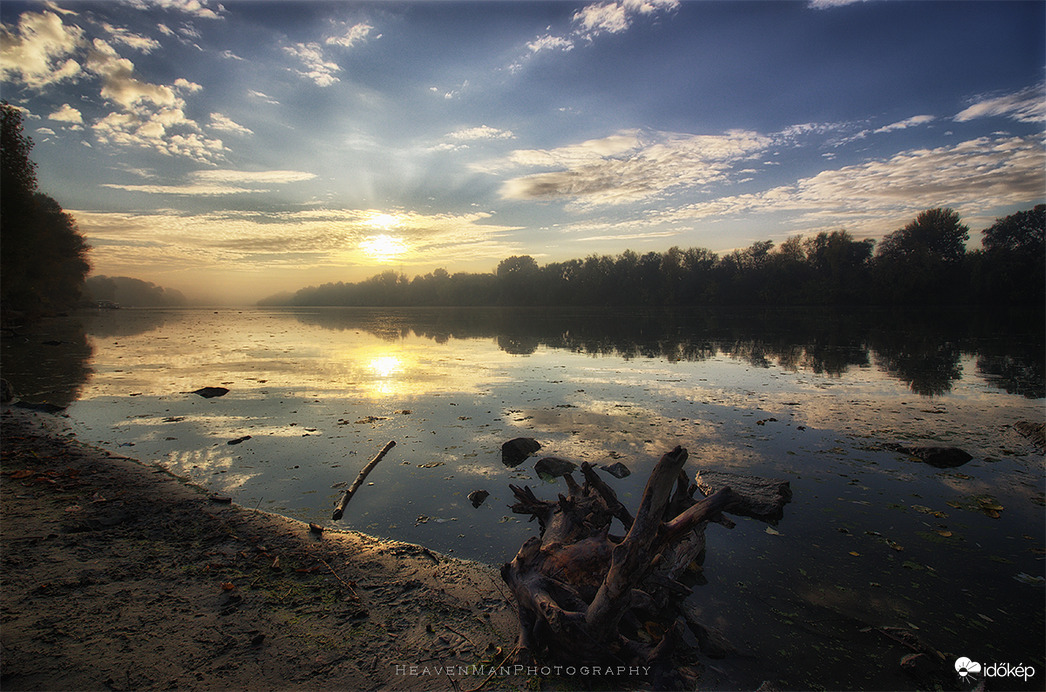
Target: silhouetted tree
(43, 255)
(1012, 267)
(922, 261)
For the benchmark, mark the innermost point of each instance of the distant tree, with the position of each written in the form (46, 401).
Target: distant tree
(43, 257)
(936, 234)
(128, 291)
(1023, 232)
(518, 280)
(1012, 267)
(922, 262)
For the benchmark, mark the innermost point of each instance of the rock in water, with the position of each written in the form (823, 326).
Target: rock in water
(939, 457)
(617, 470)
(554, 467)
(210, 392)
(515, 451)
(476, 497)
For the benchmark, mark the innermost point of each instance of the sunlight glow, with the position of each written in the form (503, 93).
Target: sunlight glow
(383, 247)
(386, 366)
(382, 221)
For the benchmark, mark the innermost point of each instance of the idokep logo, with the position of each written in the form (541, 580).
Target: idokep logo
(968, 670)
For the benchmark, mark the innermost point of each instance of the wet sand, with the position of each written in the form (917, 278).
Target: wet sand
(118, 576)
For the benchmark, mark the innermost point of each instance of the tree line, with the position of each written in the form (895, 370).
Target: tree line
(43, 256)
(924, 263)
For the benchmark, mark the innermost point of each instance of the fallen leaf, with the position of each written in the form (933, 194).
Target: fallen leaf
(772, 531)
(228, 586)
(855, 554)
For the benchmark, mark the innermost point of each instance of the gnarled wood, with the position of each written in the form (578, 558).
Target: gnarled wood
(586, 596)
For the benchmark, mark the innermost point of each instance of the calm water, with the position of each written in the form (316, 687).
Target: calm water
(872, 537)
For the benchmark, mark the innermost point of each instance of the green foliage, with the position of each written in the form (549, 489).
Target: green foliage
(43, 257)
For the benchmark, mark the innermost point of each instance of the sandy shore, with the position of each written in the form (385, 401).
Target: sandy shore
(118, 576)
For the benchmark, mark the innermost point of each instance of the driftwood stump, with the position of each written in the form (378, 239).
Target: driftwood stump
(588, 597)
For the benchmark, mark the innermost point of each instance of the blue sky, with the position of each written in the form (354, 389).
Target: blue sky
(243, 148)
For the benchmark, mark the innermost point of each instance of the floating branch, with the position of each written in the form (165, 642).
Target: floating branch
(347, 495)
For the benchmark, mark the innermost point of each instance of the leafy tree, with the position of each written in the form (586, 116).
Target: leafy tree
(43, 257)
(922, 262)
(936, 234)
(1012, 267)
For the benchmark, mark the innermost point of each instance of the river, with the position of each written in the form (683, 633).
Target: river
(873, 538)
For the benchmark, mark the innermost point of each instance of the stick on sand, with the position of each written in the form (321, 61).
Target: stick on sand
(340, 509)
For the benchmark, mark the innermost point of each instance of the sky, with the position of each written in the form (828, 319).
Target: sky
(237, 149)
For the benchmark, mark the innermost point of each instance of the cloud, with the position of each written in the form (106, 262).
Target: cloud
(210, 183)
(630, 165)
(119, 83)
(829, 4)
(480, 132)
(615, 17)
(150, 115)
(66, 114)
(143, 44)
(38, 52)
(1026, 106)
(549, 42)
(979, 175)
(353, 36)
(192, 190)
(262, 177)
(224, 124)
(317, 67)
(262, 97)
(611, 17)
(913, 121)
(195, 8)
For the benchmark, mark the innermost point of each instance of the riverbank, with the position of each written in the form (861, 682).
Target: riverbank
(118, 575)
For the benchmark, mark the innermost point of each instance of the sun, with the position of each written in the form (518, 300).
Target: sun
(382, 221)
(383, 247)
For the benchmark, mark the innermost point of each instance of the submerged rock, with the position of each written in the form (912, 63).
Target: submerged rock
(476, 497)
(554, 467)
(515, 451)
(617, 470)
(210, 392)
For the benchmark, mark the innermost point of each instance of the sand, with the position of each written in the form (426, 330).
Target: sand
(119, 576)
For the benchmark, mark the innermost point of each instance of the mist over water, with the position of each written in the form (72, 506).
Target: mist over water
(871, 538)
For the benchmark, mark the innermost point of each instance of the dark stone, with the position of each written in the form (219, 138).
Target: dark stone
(515, 451)
(476, 497)
(238, 440)
(761, 498)
(938, 457)
(210, 392)
(554, 467)
(7, 392)
(617, 470)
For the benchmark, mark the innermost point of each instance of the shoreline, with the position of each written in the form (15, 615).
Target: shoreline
(120, 575)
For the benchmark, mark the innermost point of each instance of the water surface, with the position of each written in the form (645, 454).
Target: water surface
(872, 538)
